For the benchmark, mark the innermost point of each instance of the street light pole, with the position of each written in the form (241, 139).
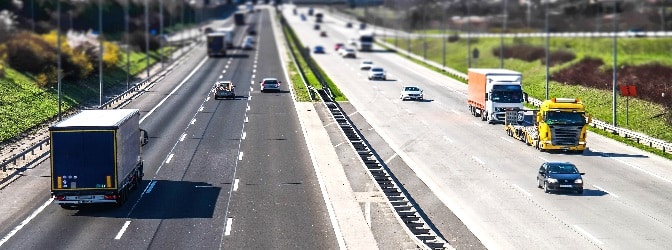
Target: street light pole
(147, 37)
(547, 48)
(100, 52)
(501, 36)
(468, 36)
(614, 122)
(58, 50)
(128, 45)
(161, 30)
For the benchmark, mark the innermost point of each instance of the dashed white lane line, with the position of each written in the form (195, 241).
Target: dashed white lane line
(150, 187)
(192, 121)
(223, 71)
(25, 222)
(478, 160)
(542, 158)
(638, 168)
(183, 136)
(122, 230)
(507, 139)
(603, 190)
(584, 232)
(240, 156)
(246, 120)
(170, 157)
(201, 109)
(244, 135)
(229, 221)
(455, 111)
(522, 190)
(221, 76)
(477, 123)
(235, 184)
(248, 107)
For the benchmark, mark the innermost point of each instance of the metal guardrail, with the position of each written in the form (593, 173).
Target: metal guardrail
(666, 147)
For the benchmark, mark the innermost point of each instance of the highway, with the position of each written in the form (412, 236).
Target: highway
(219, 174)
(486, 178)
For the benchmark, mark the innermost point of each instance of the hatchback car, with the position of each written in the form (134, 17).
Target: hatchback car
(560, 176)
(270, 84)
(411, 93)
(318, 50)
(366, 65)
(377, 73)
(338, 46)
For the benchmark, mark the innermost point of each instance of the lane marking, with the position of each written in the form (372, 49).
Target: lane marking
(175, 89)
(248, 108)
(603, 190)
(456, 112)
(223, 71)
(221, 76)
(367, 213)
(507, 139)
(201, 109)
(240, 156)
(584, 232)
(522, 190)
(229, 221)
(244, 135)
(638, 168)
(445, 138)
(478, 160)
(235, 184)
(25, 221)
(477, 123)
(123, 229)
(170, 157)
(246, 119)
(543, 159)
(183, 136)
(193, 121)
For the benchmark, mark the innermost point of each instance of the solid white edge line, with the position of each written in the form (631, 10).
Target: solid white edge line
(229, 221)
(183, 136)
(235, 184)
(25, 221)
(175, 89)
(123, 229)
(584, 232)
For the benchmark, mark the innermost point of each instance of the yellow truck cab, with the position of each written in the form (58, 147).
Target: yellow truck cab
(562, 124)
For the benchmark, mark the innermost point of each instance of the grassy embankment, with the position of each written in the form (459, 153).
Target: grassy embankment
(23, 105)
(295, 44)
(643, 116)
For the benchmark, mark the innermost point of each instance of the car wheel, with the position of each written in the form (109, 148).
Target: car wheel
(546, 190)
(579, 191)
(538, 183)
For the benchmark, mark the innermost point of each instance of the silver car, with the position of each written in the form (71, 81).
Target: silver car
(270, 84)
(377, 73)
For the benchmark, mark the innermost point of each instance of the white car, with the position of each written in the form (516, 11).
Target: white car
(270, 84)
(377, 73)
(365, 65)
(411, 93)
(352, 41)
(349, 53)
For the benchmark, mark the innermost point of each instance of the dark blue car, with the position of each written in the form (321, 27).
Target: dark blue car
(560, 176)
(318, 50)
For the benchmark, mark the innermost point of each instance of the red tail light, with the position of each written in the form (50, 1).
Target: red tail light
(110, 196)
(60, 197)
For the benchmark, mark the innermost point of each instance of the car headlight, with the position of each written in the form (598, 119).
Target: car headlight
(578, 181)
(552, 180)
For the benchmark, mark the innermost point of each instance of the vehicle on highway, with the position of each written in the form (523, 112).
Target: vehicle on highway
(96, 157)
(352, 41)
(376, 73)
(311, 11)
(318, 50)
(216, 44)
(337, 46)
(492, 91)
(348, 25)
(323, 34)
(318, 17)
(411, 93)
(239, 18)
(349, 53)
(247, 45)
(270, 84)
(365, 41)
(560, 176)
(362, 26)
(366, 65)
(225, 90)
(316, 27)
(303, 17)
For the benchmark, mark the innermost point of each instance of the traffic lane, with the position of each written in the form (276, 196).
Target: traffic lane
(278, 203)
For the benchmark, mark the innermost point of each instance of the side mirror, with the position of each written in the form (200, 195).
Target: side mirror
(541, 171)
(582, 173)
(486, 96)
(144, 138)
(526, 97)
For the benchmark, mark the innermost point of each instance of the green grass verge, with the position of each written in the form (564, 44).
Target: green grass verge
(296, 45)
(300, 91)
(24, 105)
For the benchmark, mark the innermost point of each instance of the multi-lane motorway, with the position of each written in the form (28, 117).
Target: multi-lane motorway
(487, 179)
(218, 173)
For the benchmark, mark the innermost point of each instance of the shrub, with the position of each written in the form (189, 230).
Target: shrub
(74, 62)
(30, 53)
(137, 40)
(110, 55)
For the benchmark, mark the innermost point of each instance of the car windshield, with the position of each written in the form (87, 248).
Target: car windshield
(563, 168)
(367, 62)
(377, 69)
(411, 89)
(270, 82)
